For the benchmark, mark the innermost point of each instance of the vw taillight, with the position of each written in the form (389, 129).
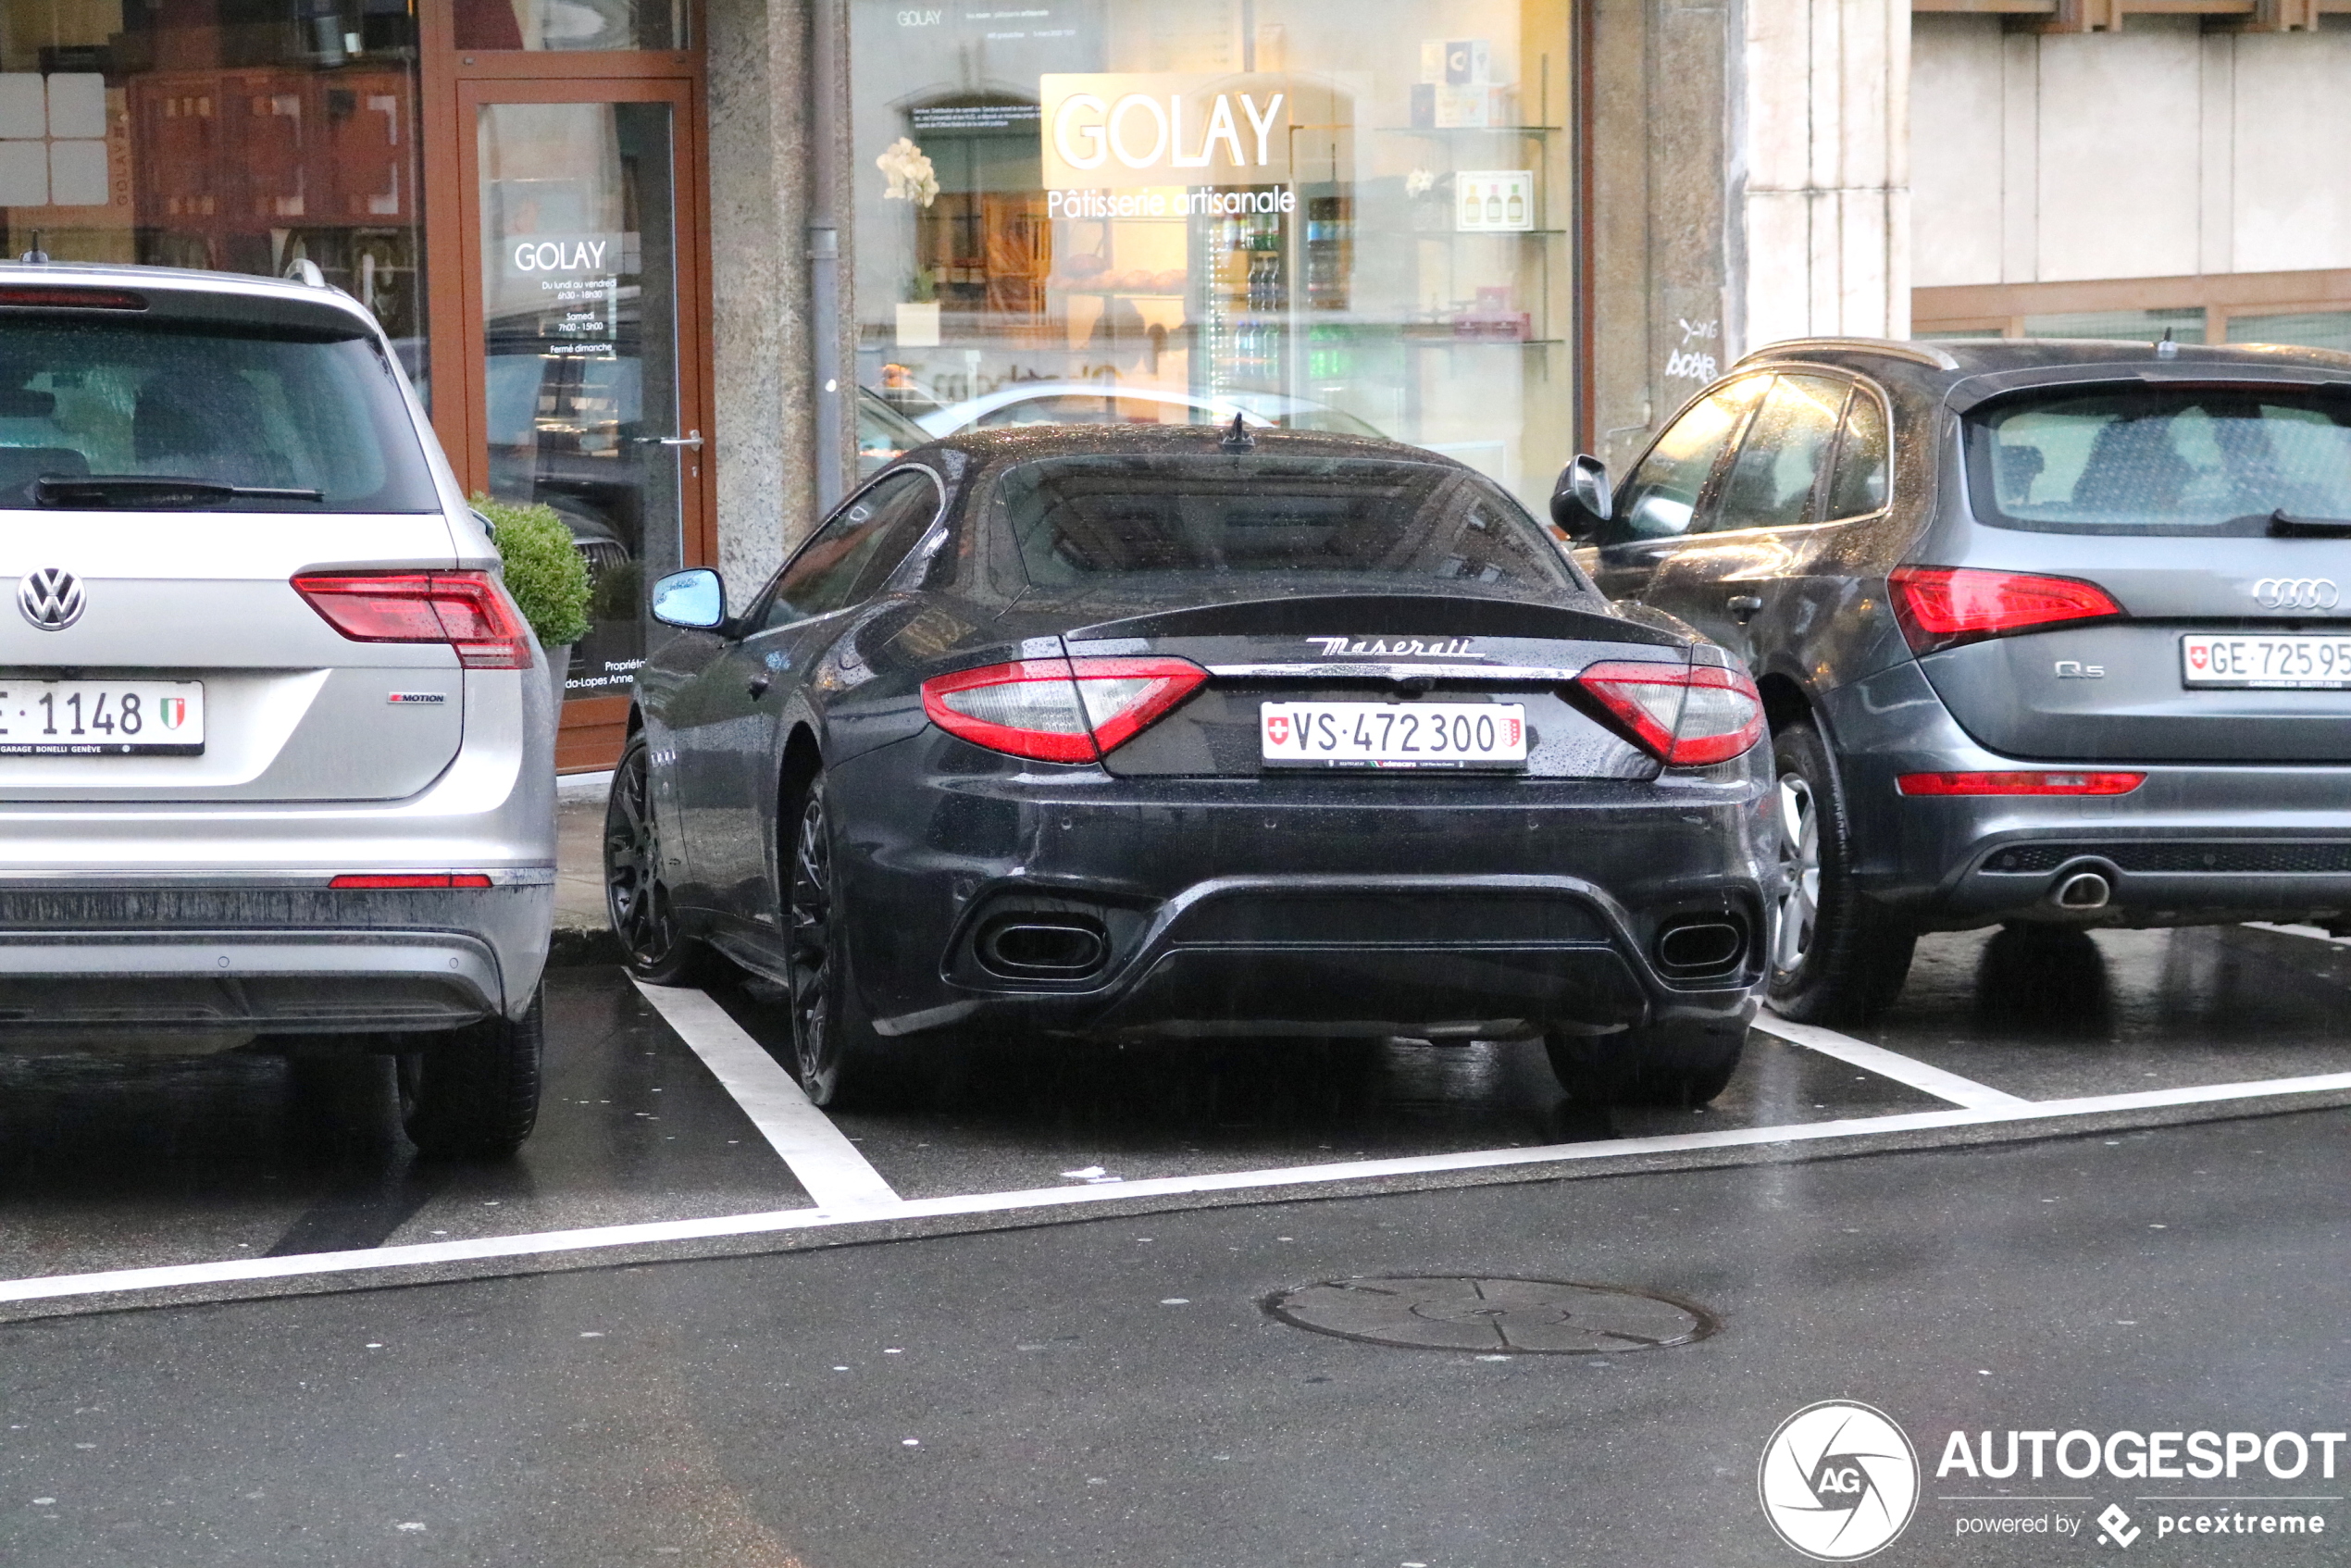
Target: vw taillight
(1058, 710)
(1944, 606)
(1686, 715)
(467, 610)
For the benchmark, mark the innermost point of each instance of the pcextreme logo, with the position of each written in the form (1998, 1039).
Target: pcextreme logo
(1839, 1481)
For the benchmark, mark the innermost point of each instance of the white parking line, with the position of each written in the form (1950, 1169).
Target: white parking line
(377, 1260)
(2312, 931)
(1885, 1063)
(827, 1164)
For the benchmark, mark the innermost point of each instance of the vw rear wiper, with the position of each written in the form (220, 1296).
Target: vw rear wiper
(152, 489)
(2283, 525)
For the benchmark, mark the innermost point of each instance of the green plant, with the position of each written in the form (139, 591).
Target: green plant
(546, 574)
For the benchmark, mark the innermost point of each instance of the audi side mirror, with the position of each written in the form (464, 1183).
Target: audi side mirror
(1581, 501)
(695, 600)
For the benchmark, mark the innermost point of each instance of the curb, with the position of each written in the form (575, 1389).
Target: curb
(581, 947)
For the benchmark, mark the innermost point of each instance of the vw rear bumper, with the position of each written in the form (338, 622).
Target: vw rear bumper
(268, 956)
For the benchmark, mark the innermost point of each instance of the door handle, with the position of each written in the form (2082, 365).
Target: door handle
(758, 685)
(691, 438)
(1742, 605)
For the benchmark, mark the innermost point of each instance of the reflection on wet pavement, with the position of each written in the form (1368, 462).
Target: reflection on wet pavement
(118, 1161)
(127, 1162)
(2054, 1015)
(997, 1117)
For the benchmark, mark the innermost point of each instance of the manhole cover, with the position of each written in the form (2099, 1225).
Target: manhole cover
(1537, 1317)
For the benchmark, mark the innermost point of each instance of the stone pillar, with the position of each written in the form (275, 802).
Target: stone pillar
(764, 445)
(1825, 206)
(1662, 97)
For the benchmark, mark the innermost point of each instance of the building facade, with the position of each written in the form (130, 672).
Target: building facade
(681, 269)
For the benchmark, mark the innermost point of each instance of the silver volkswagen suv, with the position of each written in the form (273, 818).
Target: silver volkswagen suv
(276, 748)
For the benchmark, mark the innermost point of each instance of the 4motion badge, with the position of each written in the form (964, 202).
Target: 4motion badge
(50, 598)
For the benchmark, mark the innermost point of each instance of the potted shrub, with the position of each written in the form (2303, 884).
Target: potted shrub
(546, 575)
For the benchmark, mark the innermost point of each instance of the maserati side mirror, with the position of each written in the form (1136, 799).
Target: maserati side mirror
(694, 599)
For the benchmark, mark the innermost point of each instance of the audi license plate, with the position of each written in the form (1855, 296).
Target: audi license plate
(1448, 735)
(101, 718)
(2315, 663)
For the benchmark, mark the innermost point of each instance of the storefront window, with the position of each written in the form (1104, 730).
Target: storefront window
(234, 135)
(1333, 217)
(571, 24)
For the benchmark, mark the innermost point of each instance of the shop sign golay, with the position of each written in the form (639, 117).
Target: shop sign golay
(1128, 131)
(570, 282)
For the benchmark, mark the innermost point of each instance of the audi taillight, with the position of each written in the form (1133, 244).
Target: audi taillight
(1944, 606)
(2058, 783)
(1686, 715)
(467, 610)
(1058, 710)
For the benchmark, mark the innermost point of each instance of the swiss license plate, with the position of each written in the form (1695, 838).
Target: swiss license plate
(101, 718)
(2316, 663)
(1446, 735)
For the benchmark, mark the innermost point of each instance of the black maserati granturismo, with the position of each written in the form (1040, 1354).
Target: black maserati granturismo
(1181, 733)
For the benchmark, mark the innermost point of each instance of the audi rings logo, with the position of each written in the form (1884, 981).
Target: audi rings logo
(50, 598)
(1839, 1481)
(2295, 593)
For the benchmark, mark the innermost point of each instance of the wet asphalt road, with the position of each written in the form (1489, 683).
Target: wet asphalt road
(1111, 1391)
(127, 1162)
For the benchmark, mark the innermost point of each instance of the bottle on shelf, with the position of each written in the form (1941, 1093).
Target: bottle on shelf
(1515, 212)
(1471, 209)
(1493, 206)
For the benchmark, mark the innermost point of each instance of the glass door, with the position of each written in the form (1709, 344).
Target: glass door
(584, 335)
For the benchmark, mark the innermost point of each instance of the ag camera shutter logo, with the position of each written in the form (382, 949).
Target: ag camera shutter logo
(1839, 1481)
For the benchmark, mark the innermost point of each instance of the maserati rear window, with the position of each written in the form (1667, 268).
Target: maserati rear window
(1241, 514)
(2155, 460)
(100, 414)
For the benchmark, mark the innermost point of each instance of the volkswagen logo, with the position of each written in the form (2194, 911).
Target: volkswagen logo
(2295, 593)
(52, 599)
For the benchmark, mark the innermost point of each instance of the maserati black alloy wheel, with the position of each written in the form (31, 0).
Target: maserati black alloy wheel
(834, 1050)
(652, 944)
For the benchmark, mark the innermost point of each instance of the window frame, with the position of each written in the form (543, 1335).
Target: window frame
(1709, 489)
(1855, 384)
(760, 606)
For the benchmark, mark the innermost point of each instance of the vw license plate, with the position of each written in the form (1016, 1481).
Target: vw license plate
(101, 718)
(1449, 735)
(2317, 663)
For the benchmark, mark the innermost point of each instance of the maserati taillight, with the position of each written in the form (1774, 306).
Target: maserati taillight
(1058, 710)
(1686, 715)
(467, 610)
(1944, 606)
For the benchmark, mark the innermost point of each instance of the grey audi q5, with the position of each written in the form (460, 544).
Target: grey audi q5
(2050, 634)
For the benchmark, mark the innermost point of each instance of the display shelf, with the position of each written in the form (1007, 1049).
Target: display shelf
(1467, 129)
